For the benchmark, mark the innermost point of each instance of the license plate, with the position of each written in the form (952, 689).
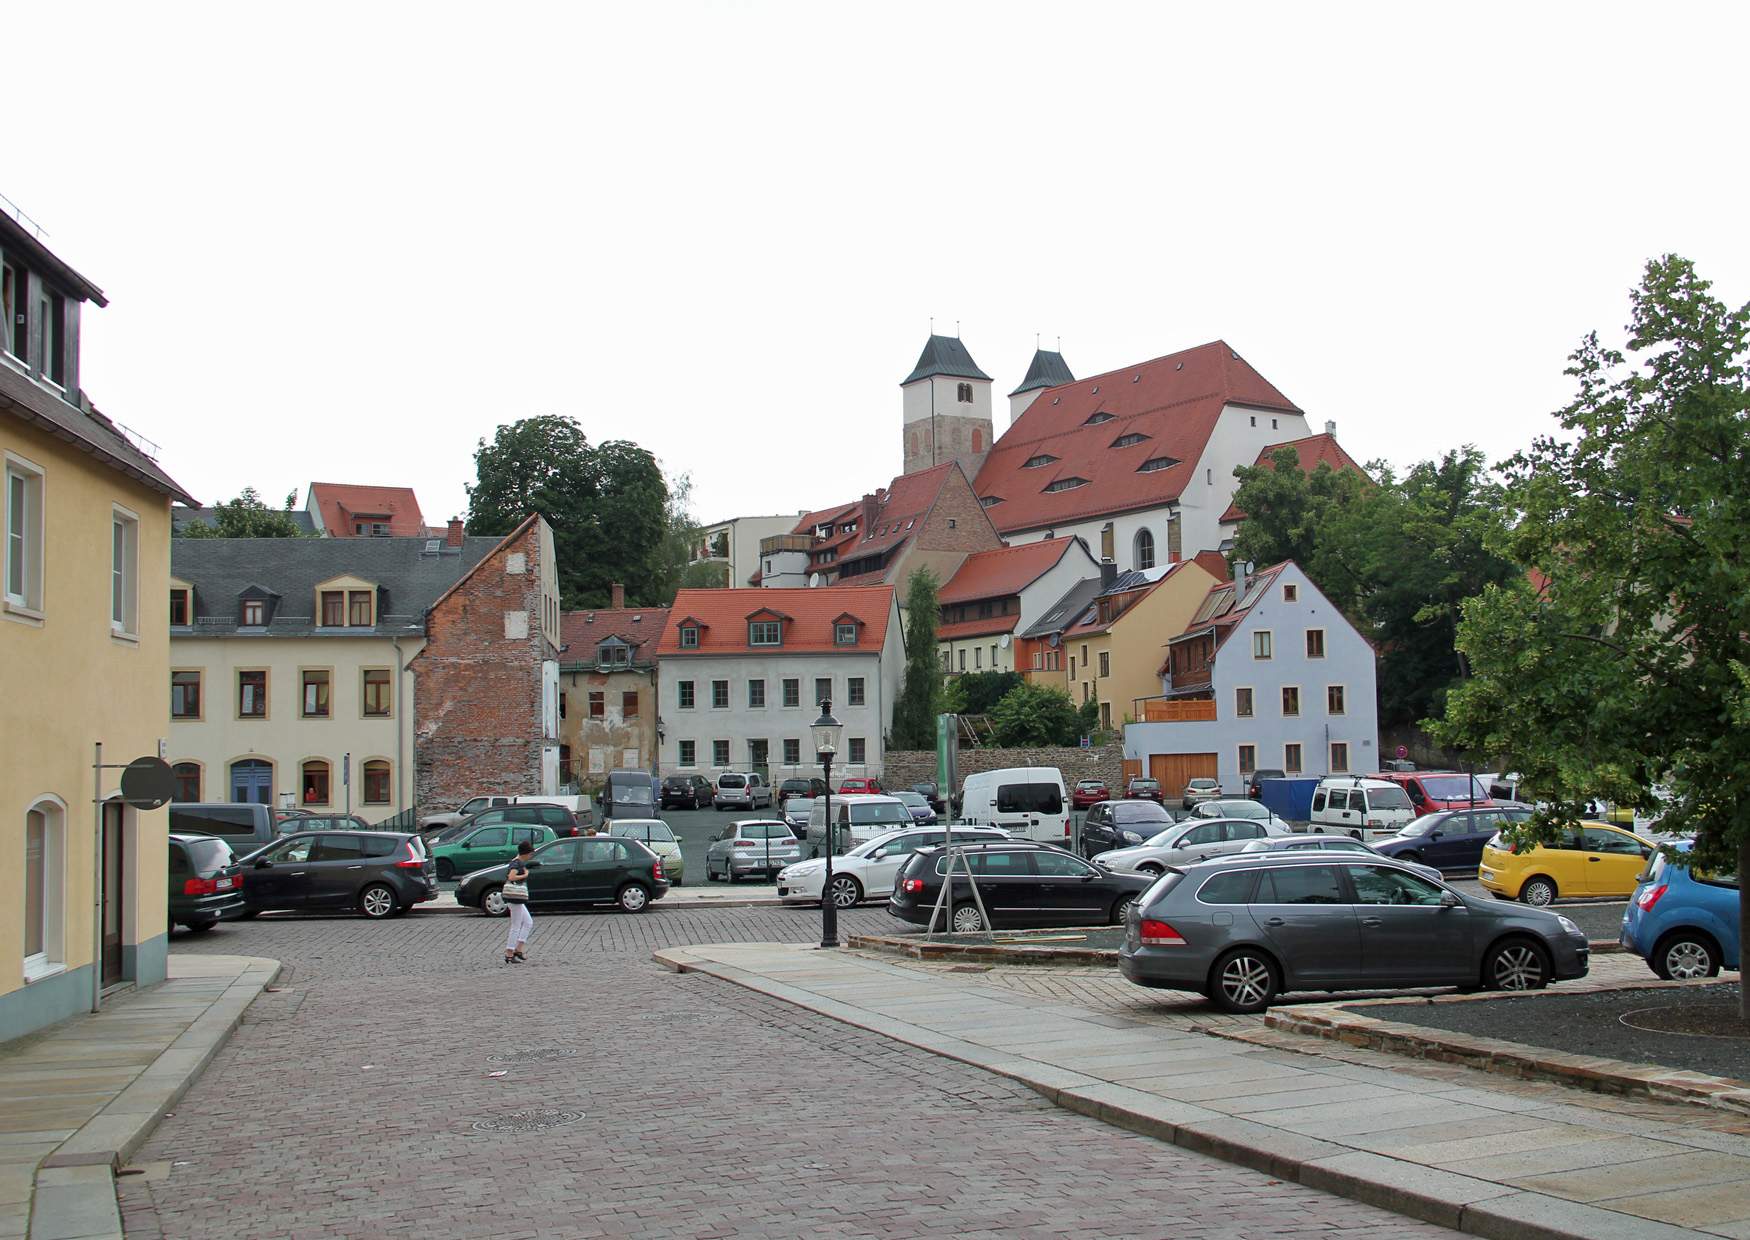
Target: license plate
(225, 884)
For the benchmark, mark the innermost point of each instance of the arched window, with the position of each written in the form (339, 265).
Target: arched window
(978, 439)
(377, 781)
(965, 393)
(188, 781)
(252, 780)
(1145, 549)
(315, 783)
(44, 882)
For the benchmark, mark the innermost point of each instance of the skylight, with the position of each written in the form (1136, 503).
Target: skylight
(1034, 462)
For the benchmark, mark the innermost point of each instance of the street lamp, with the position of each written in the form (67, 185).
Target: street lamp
(826, 744)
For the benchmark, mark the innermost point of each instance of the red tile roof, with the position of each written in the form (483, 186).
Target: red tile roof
(1005, 571)
(1314, 450)
(340, 502)
(812, 613)
(639, 627)
(898, 509)
(1215, 562)
(1174, 400)
(977, 628)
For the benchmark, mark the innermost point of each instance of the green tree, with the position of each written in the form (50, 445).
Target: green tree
(609, 506)
(247, 517)
(1036, 715)
(1627, 664)
(920, 700)
(977, 693)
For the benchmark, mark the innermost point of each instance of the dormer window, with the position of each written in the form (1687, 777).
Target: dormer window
(1034, 462)
(1066, 484)
(371, 528)
(254, 613)
(359, 609)
(1155, 464)
(689, 637)
(12, 310)
(333, 609)
(764, 633)
(1098, 418)
(965, 393)
(51, 361)
(1124, 441)
(613, 654)
(844, 631)
(179, 608)
(991, 501)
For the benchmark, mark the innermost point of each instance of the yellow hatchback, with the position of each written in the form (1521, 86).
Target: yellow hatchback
(1593, 860)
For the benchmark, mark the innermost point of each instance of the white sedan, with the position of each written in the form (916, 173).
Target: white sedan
(1188, 842)
(868, 870)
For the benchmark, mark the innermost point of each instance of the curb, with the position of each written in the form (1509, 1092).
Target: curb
(1462, 1203)
(685, 906)
(1014, 953)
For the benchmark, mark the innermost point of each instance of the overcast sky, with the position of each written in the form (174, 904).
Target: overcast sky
(344, 242)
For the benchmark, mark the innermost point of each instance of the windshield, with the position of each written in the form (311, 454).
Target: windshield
(1453, 787)
(1132, 813)
(1421, 826)
(1393, 797)
(1145, 783)
(1163, 839)
(637, 794)
(869, 813)
(798, 805)
(912, 799)
(649, 832)
(1243, 809)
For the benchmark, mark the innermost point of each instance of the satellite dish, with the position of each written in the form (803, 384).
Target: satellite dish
(813, 580)
(1004, 641)
(1055, 638)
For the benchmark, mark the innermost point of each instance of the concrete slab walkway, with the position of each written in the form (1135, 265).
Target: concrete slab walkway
(76, 1100)
(1491, 1162)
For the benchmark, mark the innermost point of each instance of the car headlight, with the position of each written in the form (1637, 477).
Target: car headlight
(1131, 837)
(1567, 925)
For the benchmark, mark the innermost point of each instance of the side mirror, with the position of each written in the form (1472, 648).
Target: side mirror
(1434, 835)
(264, 864)
(1448, 900)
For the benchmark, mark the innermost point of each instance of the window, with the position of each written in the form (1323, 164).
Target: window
(629, 704)
(854, 693)
(844, 634)
(1209, 477)
(719, 753)
(185, 695)
(977, 658)
(1290, 701)
(963, 393)
(1230, 888)
(379, 696)
(1096, 419)
(252, 695)
(962, 656)
(598, 708)
(689, 636)
(50, 356)
(358, 609)
(124, 573)
(858, 747)
(315, 782)
(684, 691)
(1065, 484)
(763, 633)
(1106, 542)
(377, 782)
(1124, 441)
(1334, 703)
(1034, 462)
(1339, 757)
(1155, 464)
(188, 781)
(1379, 885)
(1145, 549)
(1248, 759)
(1105, 663)
(1290, 593)
(315, 694)
(612, 654)
(333, 608)
(1242, 703)
(792, 752)
(254, 613)
(12, 310)
(1106, 715)
(1029, 799)
(822, 689)
(756, 694)
(24, 535)
(719, 695)
(43, 883)
(1300, 884)
(1291, 759)
(179, 607)
(1261, 644)
(792, 692)
(1315, 643)
(687, 753)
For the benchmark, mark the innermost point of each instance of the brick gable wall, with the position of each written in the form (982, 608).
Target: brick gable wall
(972, 530)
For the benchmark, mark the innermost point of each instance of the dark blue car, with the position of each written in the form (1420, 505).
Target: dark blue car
(1682, 922)
(1451, 839)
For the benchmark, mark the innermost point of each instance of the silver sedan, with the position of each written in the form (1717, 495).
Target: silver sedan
(1188, 842)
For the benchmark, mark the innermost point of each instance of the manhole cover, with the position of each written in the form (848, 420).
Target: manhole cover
(527, 1121)
(549, 1056)
(1695, 1020)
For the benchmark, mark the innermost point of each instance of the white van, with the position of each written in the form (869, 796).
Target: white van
(860, 817)
(1368, 809)
(1029, 802)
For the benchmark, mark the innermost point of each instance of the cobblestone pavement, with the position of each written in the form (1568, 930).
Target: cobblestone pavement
(346, 1106)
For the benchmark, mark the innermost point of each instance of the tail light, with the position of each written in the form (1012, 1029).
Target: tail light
(1651, 896)
(1066, 830)
(912, 886)
(207, 886)
(411, 861)
(1160, 934)
(747, 843)
(657, 871)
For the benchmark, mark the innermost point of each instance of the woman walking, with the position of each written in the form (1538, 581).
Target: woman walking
(516, 895)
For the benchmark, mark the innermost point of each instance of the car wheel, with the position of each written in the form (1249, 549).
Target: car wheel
(1120, 908)
(1151, 869)
(1681, 956)
(967, 919)
(845, 891)
(729, 873)
(198, 927)
(378, 901)
(633, 898)
(1538, 892)
(493, 904)
(445, 871)
(1517, 964)
(1243, 981)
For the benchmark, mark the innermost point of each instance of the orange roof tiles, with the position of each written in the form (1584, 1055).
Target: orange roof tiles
(1004, 571)
(1174, 401)
(811, 615)
(342, 502)
(1314, 450)
(639, 627)
(977, 628)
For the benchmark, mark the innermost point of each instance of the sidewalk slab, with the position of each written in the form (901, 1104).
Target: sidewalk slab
(1454, 1151)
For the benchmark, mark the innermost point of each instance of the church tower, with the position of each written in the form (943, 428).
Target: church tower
(1048, 370)
(946, 402)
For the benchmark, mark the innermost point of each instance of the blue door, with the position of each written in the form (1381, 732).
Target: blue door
(252, 780)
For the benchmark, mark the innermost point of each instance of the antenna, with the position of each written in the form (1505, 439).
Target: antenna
(932, 325)
(1060, 344)
(956, 329)
(1036, 342)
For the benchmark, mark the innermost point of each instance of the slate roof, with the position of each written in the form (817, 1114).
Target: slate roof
(1313, 450)
(809, 629)
(1067, 610)
(83, 427)
(408, 580)
(1004, 571)
(944, 355)
(1141, 582)
(181, 516)
(1047, 370)
(580, 632)
(340, 502)
(1175, 401)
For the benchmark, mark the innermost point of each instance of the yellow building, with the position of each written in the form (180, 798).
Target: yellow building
(85, 644)
(1113, 655)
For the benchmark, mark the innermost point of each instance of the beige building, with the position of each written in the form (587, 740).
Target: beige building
(608, 688)
(84, 640)
(289, 674)
(1113, 655)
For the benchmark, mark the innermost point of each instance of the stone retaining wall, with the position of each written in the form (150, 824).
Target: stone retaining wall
(905, 767)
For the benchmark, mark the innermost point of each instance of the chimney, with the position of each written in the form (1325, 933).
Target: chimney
(871, 507)
(1330, 428)
(454, 537)
(1108, 574)
(619, 594)
(1241, 568)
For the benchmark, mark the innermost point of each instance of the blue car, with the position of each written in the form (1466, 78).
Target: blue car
(919, 806)
(1684, 924)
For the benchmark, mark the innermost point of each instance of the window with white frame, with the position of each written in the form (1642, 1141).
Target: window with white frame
(1261, 644)
(24, 535)
(763, 633)
(124, 572)
(44, 880)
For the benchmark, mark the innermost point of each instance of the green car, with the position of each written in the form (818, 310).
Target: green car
(478, 848)
(658, 837)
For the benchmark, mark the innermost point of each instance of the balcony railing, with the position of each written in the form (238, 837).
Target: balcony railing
(1190, 711)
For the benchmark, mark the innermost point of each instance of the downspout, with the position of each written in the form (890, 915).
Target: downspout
(402, 722)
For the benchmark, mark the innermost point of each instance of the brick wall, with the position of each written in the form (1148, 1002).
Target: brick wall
(905, 767)
(972, 530)
(477, 682)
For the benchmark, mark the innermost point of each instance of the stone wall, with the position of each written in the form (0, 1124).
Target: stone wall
(908, 767)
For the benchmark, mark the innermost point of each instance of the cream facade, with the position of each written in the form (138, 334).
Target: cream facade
(1115, 657)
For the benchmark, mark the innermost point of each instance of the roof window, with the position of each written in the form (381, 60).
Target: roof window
(990, 501)
(1098, 418)
(1034, 462)
(1180, 366)
(1136, 378)
(1065, 484)
(1124, 441)
(1155, 464)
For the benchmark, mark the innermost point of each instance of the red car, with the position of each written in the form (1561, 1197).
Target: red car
(858, 784)
(1143, 790)
(1088, 792)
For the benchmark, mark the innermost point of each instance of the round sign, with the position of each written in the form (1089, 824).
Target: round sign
(1403, 752)
(148, 783)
